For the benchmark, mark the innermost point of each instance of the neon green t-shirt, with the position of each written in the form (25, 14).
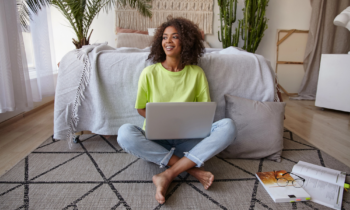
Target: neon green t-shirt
(157, 84)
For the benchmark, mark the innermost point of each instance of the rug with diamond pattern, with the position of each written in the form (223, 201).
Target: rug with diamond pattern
(97, 174)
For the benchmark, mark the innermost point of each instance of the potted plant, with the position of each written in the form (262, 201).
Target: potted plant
(251, 28)
(79, 13)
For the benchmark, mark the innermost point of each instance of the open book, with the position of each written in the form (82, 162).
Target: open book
(279, 194)
(325, 185)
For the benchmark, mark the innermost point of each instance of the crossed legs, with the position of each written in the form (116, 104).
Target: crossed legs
(132, 139)
(204, 177)
(177, 166)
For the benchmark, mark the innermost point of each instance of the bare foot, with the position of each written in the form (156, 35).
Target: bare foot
(162, 182)
(204, 177)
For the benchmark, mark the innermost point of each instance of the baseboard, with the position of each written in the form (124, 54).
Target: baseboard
(11, 120)
(24, 114)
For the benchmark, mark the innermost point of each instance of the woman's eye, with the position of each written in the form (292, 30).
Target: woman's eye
(164, 37)
(175, 37)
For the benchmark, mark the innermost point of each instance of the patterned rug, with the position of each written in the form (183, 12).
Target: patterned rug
(97, 174)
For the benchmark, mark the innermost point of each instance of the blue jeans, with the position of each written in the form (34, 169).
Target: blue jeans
(133, 140)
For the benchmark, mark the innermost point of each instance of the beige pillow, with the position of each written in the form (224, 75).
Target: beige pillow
(259, 128)
(126, 30)
(133, 40)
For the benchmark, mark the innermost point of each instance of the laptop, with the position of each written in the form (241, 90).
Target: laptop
(179, 120)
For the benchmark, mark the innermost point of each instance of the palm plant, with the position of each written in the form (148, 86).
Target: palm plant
(79, 13)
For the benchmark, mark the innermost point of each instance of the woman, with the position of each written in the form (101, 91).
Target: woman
(176, 48)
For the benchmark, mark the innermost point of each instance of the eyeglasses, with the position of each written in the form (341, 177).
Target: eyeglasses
(283, 182)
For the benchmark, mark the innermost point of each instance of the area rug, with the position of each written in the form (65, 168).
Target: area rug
(97, 174)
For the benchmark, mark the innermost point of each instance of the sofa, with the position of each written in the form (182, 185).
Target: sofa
(97, 85)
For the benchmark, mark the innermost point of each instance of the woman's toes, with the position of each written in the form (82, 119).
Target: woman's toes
(162, 183)
(160, 198)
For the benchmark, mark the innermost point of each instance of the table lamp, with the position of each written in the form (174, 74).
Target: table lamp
(343, 19)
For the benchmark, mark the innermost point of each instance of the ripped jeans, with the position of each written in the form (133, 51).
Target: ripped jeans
(133, 140)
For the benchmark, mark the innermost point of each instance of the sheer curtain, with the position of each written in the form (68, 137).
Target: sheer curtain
(44, 54)
(15, 88)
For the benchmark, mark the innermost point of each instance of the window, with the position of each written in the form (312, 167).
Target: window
(28, 46)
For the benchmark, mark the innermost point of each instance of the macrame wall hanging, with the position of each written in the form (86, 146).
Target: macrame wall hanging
(199, 11)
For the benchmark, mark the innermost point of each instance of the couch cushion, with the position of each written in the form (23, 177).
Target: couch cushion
(259, 128)
(140, 41)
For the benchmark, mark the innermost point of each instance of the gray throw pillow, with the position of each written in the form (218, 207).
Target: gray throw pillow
(259, 128)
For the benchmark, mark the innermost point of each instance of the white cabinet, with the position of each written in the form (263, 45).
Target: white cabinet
(333, 88)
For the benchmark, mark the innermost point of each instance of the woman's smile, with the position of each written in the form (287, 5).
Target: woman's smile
(169, 48)
(171, 42)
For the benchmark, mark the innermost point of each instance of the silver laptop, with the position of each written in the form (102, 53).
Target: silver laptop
(179, 120)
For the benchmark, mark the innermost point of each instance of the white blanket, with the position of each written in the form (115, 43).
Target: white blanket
(98, 91)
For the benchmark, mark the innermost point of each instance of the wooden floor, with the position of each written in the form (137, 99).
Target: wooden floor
(20, 138)
(328, 130)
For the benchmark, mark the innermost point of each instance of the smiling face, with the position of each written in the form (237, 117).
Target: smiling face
(171, 42)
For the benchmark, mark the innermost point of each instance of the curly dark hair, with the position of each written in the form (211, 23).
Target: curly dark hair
(190, 40)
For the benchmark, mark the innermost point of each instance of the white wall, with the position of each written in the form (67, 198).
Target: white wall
(103, 26)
